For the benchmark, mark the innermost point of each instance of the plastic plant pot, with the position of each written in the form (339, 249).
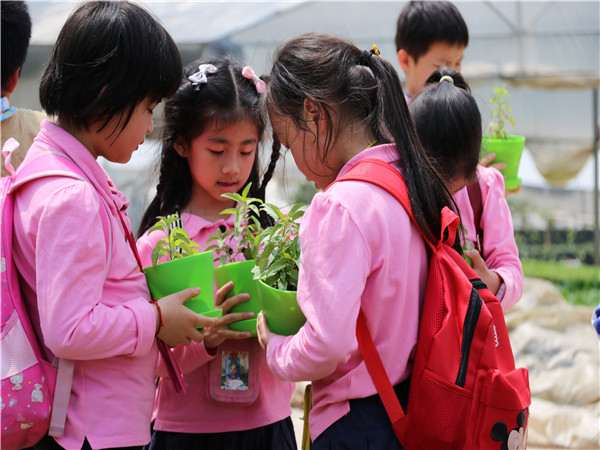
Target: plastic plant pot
(281, 309)
(192, 271)
(241, 275)
(508, 151)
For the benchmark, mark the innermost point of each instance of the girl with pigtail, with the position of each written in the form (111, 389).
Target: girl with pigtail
(334, 105)
(212, 132)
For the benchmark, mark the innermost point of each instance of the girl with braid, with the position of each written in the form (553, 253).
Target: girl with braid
(212, 132)
(334, 106)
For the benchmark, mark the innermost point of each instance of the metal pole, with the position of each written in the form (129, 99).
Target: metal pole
(595, 196)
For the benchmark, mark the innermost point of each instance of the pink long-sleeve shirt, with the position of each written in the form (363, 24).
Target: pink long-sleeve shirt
(195, 411)
(500, 250)
(359, 249)
(101, 320)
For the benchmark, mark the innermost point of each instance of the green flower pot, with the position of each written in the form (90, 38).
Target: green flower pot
(241, 275)
(508, 151)
(281, 309)
(192, 271)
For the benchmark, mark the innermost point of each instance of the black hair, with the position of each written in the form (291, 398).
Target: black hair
(354, 85)
(109, 57)
(448, 123)
(225, 99)
(423, 23)
(16, 33)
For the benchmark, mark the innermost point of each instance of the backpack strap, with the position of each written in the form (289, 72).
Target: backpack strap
(384, 175)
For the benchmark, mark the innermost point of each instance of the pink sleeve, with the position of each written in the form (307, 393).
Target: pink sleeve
(500, 249)
(76, 320)
(188, 358)
(333, 271)
(145, 246)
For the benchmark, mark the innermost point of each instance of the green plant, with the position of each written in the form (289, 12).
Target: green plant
(176, 243)
(244, 237)
(278, 260)
(499, 113)
(467, 244)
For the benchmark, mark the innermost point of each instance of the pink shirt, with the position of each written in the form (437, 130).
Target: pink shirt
(359, 250)
(103, 322)
(500, 249)
(196, 412)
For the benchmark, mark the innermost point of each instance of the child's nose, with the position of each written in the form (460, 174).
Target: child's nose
(231, 166)
(150, 126)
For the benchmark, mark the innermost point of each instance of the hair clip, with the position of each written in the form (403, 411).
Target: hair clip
(375, 50)
(447, 78)
(200, 76)
(248, 72)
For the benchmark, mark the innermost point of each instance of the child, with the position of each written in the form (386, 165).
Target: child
(212, 131)
(111, 64)
(19, 123)
(429, 34)
(449, 125)
(334, 105)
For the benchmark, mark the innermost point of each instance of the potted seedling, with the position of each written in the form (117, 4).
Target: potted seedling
(235, 251)
(508, 148)
(184, 267)
(467, 244)
(276, 270)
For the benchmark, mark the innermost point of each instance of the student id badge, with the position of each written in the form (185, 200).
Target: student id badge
(234, 372)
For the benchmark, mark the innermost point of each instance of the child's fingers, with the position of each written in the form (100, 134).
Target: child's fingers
(185, 295)
(499, 166)
(222, 293)
(487, 159)
(263, 332)
(235, 317)
(233, 301)
(478, 261)
(196, 335)
(202, 321)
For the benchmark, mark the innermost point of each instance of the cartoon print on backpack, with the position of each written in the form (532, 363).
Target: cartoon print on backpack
(16, 380)
(514, 439)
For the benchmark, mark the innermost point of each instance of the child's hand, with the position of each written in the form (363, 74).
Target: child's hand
(264, 334)
(215, 335)
(489, 158)
(490, 278)
(179, 321)
(500, 166)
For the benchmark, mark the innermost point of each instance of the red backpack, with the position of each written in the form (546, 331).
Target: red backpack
(465, 391)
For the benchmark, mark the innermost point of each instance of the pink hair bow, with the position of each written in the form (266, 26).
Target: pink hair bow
(248, 72)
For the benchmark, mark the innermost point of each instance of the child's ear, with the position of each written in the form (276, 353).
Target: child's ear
(403, 59)
(180, 147)
(11, 82)
(311, 110)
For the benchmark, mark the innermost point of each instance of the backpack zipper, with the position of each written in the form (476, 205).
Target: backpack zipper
(475, 304)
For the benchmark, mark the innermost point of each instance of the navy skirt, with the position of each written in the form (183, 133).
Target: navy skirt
(366, 427)
(277, 436)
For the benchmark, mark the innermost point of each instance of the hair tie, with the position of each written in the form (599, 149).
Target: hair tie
(365, 57)
(447, 78)
(200, 76)
(248, 72)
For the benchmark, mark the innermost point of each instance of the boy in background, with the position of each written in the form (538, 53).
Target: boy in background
(429, 34)
(19, 123)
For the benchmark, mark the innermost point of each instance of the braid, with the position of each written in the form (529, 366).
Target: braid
(173, 190)
(275, 153)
